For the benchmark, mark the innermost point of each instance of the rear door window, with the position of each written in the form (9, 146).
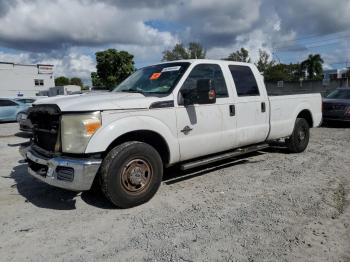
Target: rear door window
(245, 81)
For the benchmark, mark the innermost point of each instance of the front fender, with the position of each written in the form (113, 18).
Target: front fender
(105, 136)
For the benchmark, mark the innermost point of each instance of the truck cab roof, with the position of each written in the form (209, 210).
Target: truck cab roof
(209, 61)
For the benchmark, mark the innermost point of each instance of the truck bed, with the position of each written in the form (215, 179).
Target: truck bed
(284, 110)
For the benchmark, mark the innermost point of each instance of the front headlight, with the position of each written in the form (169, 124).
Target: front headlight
(77, 129)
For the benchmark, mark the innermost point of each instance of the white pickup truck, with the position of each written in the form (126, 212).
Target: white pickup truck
(189, 112)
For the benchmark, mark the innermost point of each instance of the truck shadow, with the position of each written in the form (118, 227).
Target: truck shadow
(335, 125)
(45, 196)
(176, 175)
(41, 194)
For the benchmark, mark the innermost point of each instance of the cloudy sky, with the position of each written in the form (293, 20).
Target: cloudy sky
(67, 33)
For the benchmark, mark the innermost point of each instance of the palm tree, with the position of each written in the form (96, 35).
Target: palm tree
(348, 73)
(313, 66)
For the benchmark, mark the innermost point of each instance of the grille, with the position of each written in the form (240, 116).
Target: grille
(46, 125)
(333, 107)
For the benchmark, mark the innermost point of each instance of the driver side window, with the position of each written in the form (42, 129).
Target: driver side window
(207, 71)
(5, 103)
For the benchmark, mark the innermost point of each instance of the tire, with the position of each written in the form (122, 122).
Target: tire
(18, 117)
(131, 174)
(299, 139)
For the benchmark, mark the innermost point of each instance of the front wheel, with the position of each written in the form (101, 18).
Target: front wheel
(299, 139)
(19, 117)
(131, 174)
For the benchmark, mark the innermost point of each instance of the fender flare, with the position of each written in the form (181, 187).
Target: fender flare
(105, 136)
(302, 107)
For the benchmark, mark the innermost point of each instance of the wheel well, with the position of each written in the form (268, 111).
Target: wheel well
(306, 114)
(148, 137)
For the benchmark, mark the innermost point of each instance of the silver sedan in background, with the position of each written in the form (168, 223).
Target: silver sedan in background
(12, 109)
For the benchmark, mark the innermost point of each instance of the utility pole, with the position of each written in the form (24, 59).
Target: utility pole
(347, 73)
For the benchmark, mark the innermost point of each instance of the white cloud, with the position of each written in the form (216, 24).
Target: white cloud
(15, 57)
(52, 24)
(61, 31)
(72, 65)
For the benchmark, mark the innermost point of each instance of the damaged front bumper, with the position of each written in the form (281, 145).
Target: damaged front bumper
(65, 172)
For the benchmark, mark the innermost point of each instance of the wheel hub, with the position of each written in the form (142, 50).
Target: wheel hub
(136, 175)
(302, 135)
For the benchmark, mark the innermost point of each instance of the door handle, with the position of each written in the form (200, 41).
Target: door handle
(232, 110)
(263, 107)
(186, 130)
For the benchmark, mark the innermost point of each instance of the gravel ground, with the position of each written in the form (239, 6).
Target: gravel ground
(270, 206)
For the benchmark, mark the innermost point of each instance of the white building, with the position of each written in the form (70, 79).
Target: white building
(24, 80)
(61, 91)
(334, 74)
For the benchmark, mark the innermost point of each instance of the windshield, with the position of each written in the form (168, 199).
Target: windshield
(157, 79)
(26, 100)
(340, 94)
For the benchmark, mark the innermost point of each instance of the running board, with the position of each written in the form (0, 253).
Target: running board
(227, 155)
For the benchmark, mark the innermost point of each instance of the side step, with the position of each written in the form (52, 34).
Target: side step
(227, 155)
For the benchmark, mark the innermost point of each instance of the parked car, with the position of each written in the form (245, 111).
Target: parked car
(11, 109)
(29, 101)
(24, 122)
(25, 125)
(336, 106)
(189, 112)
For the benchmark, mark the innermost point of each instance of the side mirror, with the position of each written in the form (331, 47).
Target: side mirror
(203, 93)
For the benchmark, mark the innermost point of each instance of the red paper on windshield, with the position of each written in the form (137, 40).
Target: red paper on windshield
(155, 76)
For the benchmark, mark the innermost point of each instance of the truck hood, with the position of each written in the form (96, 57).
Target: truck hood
(337, 101)
(100, 101)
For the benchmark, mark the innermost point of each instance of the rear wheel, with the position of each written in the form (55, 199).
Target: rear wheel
(131, 174)
(299, 140)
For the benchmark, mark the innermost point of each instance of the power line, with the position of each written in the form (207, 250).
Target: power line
(296, 47)
(340, 63)
(310, 37)
(310, 44)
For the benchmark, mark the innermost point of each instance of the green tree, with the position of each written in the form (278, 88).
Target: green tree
(112, 68)
(61, 81)
(241, 55)
(76, 81)
(283, 72)
(348, 73)
(313, 65)
(265, 62)
(194, 51)
(96, 81)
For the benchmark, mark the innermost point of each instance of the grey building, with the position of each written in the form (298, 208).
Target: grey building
(61, 91)
(334, 74)
(25, 80)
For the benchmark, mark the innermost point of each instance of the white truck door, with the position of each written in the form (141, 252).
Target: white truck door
(252, 106)
(200, 126)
